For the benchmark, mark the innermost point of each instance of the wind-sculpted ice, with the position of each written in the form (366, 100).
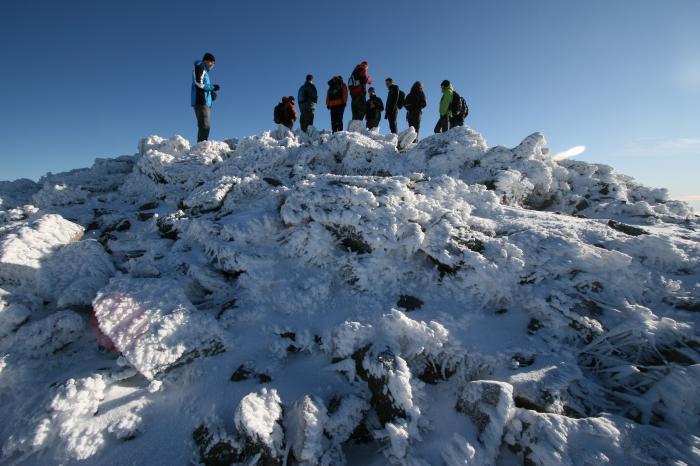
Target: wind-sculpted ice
(153, 324)
(347, 298)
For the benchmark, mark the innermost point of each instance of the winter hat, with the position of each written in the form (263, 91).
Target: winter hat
(365, 64)
(371, 89)
(208, 57)
(291, 98)
(445, 83)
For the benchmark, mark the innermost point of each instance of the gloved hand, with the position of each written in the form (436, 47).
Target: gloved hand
(216, 88)
(213, 95)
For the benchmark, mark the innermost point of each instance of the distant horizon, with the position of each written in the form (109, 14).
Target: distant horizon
(620, 80)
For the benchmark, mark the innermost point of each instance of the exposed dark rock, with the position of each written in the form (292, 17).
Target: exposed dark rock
(272, 181)
(166, 225)
(242, 373)
(588, 308)
(214, 451)
(627, 229)
(410, 303)
(143, 216)
(434, 373)
(350, 239)
(361, 434)
(533, 326)
(148, 206)
(122, 225)
(501, 310)
(381, 399)
(688, 305)
(94, 225)
(582, 205)
(523, 360)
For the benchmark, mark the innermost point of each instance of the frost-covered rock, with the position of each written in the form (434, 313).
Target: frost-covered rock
(73, 274)
(153, 324)
(489, 405)
(46, 337)
(565, 280)
(22, 249)
(550, 439)
(258, 419)
(305, 430)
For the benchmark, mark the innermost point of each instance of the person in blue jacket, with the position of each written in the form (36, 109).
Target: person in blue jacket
(203, 93)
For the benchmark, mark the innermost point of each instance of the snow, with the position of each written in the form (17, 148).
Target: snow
(445, 302)
(153, 324)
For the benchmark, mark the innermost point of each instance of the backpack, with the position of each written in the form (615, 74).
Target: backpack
(458, 106)
(335, 92)
(401, 100)
(278, 113)
(354, 79)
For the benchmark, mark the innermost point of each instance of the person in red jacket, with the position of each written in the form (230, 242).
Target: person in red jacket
(336, 100)
(285, 113)
(357, 83)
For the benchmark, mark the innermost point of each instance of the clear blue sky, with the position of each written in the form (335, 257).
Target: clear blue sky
(86, 79)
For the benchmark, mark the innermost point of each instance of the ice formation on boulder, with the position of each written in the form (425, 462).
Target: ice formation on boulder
(379, 301)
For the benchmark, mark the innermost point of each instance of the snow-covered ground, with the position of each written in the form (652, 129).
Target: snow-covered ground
(348, 298)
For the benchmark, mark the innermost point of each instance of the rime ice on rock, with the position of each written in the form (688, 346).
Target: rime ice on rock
(22, 249)
(570, 281)
(153, 324)
(258, 419)
(74, 274)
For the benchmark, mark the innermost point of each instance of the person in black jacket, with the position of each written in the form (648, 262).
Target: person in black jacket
(375, 106)
(414, 105)
(308, 97)
(336, 99)
(392, 104)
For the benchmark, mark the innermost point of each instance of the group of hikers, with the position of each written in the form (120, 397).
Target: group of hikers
(453, 107)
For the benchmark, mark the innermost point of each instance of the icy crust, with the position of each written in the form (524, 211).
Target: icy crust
(434, 303)
(550, 439)
(153, 324)
(73, 275)
(22, 249)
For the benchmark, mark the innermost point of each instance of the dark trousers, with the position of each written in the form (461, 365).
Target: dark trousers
(442, 125)
(359, 106)
(372, 122)
(456, 121)
(289, 124)
(392, 121)
(306, 119)
(203, 114)
(337, 117)
(413, 119)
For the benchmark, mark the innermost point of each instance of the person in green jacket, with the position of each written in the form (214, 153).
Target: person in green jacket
(445, 114)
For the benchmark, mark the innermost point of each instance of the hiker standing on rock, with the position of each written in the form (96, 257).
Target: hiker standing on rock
(392, 104)
(336, 100)
(203, 93)
(414, 105)
(375, 106)
(307, 97)
(445, 102)
(357, 83)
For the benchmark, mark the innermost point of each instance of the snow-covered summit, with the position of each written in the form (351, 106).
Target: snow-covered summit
(347, 298)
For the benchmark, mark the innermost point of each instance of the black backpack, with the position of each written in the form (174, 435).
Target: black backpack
(458, 107)
(354, 80)
(335, 91)
(278, 113)
(402, 99)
